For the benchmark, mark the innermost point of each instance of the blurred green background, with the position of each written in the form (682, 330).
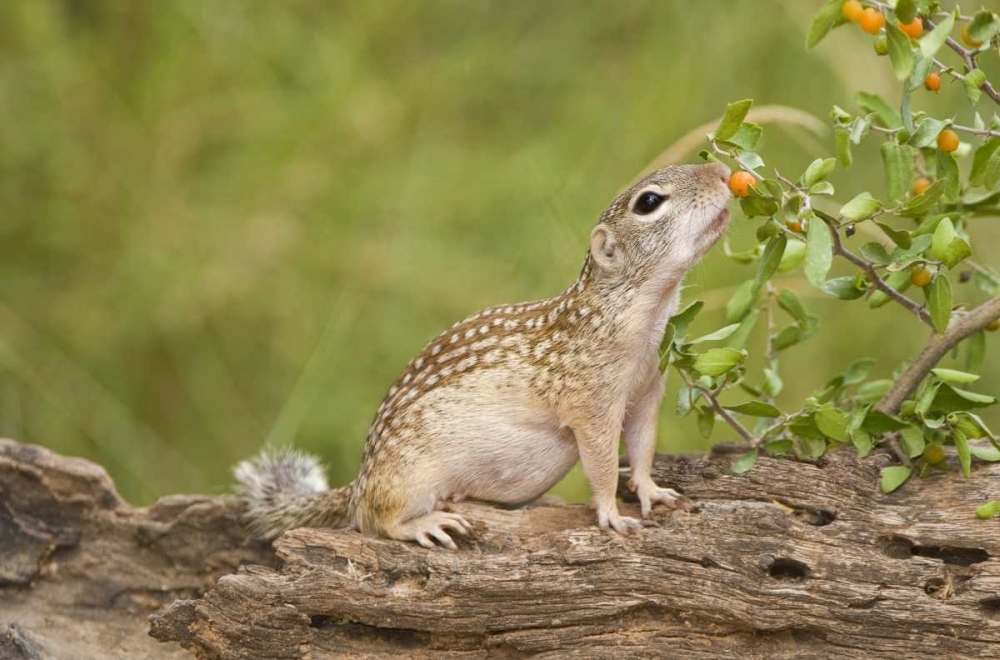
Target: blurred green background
(226, 223)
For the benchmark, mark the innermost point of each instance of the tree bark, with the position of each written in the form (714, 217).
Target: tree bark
(791, 560)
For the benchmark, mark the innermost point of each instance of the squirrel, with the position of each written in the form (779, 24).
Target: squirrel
(502, 405)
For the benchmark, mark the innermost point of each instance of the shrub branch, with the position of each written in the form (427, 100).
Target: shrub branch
(937, 347)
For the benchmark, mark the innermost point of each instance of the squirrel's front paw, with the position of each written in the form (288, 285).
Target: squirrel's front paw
(650, 494)
(610, 518)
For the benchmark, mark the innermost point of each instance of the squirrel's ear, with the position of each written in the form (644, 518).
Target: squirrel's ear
(604, 249)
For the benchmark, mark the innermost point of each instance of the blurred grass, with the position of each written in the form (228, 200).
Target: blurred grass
(236, 221)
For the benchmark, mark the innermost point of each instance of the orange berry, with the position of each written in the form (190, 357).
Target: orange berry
(795, 227)
(871, 20)
(933, 454)
(947, 140)
(913, 29)
(932, 82)
(852, 10)
(993, 325)
(969, 41)
(920, 276)
(740, 183)
(920, 184)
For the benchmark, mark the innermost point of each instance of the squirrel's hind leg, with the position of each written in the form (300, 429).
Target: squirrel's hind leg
(430, 527)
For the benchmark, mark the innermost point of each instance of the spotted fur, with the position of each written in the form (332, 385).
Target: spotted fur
(502, 404)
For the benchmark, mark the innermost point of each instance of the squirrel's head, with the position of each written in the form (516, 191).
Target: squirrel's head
(664, 223)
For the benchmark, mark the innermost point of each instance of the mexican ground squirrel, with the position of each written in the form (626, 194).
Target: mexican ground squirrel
(500, 406)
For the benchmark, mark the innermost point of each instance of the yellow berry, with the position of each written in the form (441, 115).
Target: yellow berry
(947, 140)
(740, 183)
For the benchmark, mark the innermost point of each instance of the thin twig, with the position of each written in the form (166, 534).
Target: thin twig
(961, 326)
(970, 62)
(869, 268)
(729, 419)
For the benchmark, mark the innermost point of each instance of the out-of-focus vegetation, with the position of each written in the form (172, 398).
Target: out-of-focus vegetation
(225, 223)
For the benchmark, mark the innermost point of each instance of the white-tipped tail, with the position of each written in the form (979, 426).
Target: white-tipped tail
(285, 489)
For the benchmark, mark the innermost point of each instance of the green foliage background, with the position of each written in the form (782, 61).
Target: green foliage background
(225, 223)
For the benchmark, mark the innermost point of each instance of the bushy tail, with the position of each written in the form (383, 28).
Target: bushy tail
(285, 489)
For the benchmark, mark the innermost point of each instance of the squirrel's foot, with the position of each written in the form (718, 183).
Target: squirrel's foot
(608, 517)
(433, 526)
(649, 494)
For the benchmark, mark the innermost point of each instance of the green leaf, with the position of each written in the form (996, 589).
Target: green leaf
(893, 477)
(987, 454)
(874, 390)
(898, 162)
(932, 42)
(875, 252)
(912, 441)
(772, 382)
(986, 164)
(858, 370)
(962, 448)
(795, 254)
(861, 207)
(812, 448)
(718, 335)
(755, 409)
(682, 320)
(740, 338)
(826, 19)
(844, 149)
(984, 26)
(832, 423)
(947, 246)
(975, 397)
(747, 136)
(730, 124)
(789, 301)
(954, 377)
(685, 400)
(988, 510)
(976, 352)
(922, 203)
(818, 170)
(906, 10)
(819, 251)
(927, 132)
(745, 463)
(743, 299)
(771, 258)
(706, 421)
(717, 361)
(899, 52)
(947, 172)
(939, 302)
(755, 204)
(900, 237)
(972, 81)
(877, 422)
(862, 442)
(787, 336)
(845, 288)
(885, 113)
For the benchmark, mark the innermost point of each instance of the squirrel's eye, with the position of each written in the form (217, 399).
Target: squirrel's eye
(648, 202)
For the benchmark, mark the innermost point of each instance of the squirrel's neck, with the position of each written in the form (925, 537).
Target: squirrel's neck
(629, 307)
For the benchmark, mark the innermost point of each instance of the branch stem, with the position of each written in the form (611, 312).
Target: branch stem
(960, 327)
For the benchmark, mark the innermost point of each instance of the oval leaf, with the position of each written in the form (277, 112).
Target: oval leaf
(893, 477)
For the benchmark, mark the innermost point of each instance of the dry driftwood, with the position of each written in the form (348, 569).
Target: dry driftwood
(789, 561)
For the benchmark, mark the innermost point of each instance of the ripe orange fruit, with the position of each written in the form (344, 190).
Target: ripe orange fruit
(933, 454)
(871, 20)
(932, 82)
(795, 227)
(920, 184)
(740, 183)
(920, 276)
(913, 29)
(969, 41)
(852, 10)
(947, 140)
(993, 326)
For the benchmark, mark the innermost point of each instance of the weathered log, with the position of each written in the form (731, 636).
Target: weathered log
(81, 570)
(791, 560)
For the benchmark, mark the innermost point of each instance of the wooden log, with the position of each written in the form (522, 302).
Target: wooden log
(791, 560)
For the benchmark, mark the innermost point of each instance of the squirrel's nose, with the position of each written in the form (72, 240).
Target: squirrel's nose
(717, 170)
